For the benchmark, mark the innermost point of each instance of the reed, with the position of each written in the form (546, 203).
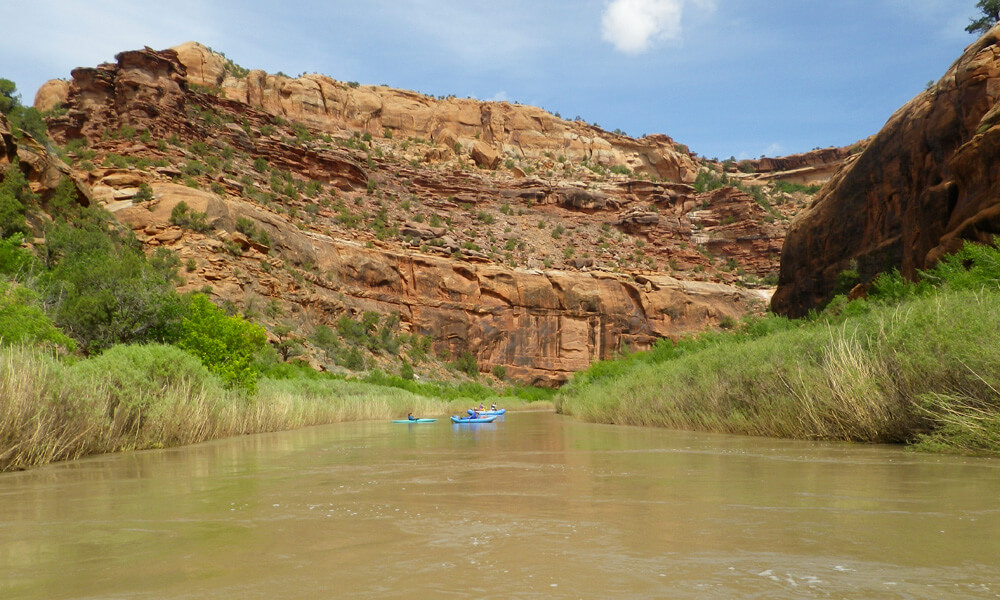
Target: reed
(925, 372)
(155, 396)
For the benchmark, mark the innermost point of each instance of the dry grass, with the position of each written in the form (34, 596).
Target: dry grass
(927, 372)
(138, 397)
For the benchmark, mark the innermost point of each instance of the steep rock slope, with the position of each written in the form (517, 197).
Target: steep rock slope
(536, 257)
(326, 104)
(924, 184)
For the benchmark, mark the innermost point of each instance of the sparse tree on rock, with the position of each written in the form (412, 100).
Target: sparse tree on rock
(991, 15)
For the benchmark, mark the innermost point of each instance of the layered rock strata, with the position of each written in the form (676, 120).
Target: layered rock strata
(452, 280)
(926, 183)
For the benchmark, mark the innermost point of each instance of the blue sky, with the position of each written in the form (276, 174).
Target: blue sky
(726, 77)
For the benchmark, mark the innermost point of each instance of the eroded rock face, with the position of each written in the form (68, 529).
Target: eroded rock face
(450, 278)
(490, 129)
(925, 183)
(42, 170)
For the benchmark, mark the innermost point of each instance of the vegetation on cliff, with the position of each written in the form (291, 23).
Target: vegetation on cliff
(912, 363)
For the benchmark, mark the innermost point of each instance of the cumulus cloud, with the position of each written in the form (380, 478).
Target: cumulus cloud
(632, 26)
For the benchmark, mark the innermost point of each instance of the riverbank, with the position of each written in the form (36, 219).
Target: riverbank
(925, 372)
(156, 396)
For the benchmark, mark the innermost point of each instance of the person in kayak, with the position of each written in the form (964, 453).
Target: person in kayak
(411, 417)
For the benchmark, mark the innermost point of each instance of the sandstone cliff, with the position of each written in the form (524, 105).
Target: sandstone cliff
(537, 244)
(924, 184)
(515, 130)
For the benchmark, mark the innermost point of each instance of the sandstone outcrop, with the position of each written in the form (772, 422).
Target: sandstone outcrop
(42, 170)
(324, 199)
(927, 182)
(488, 127)
(808, 168)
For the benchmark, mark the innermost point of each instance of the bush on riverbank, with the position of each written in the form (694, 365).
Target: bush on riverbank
(913, 364)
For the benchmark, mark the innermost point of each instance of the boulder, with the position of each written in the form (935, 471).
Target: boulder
(485, 156)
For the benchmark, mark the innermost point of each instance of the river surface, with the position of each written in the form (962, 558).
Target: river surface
(535, 506)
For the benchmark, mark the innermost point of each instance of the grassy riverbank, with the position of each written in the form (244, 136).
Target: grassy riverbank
(920, 366)
(155, 396)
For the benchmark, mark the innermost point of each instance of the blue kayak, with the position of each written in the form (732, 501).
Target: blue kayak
(496, 412)
(415, 421)
(488, 419)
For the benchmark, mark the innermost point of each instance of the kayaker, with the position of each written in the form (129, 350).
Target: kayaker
(411, 417)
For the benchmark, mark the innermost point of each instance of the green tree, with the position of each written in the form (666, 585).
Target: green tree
(15, 197)
(225, 344)
(23, 118)
(103, 290)
(16, 262)
(991, 15)
(289, 345)
(22, 319)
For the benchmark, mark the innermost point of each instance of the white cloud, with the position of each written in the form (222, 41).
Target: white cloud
(632, 26)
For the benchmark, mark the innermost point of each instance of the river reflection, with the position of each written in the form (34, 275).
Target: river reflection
(533, 506)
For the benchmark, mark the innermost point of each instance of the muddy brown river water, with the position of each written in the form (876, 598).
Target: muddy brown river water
(534, 506)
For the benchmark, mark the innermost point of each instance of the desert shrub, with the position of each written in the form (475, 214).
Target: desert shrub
(182, 216)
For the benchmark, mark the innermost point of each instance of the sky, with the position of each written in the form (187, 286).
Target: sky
(741, 78)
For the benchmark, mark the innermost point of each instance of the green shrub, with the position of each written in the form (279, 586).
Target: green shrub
(227, 345)
(15, 198)
(466, 363)
(135, 377)
(102, 289)
(23, 320)
(182, 216)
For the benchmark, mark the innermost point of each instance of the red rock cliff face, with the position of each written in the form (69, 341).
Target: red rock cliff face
(506, 128)
(539, 324)
(926, 182)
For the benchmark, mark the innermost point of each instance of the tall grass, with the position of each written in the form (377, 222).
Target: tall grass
(154, 396)
(924, 372)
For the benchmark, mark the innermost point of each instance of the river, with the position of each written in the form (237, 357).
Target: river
(535, 506)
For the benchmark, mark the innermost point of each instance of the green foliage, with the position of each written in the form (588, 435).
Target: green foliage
(182, 216)
(846, 280)
(103, 291)
(915, 361)
(708, 180)
(134, 378)
(65, 201)
(145, 193)
(249, 228)
(352, 359)
(23, 320)
(15, 198)
(22, 118)
(9, 98)
(16, 261)
(990, 10)
(349, 329)
(791, 188)
(973, 267)
(466, 363)
(406, 371)
(227, 345)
